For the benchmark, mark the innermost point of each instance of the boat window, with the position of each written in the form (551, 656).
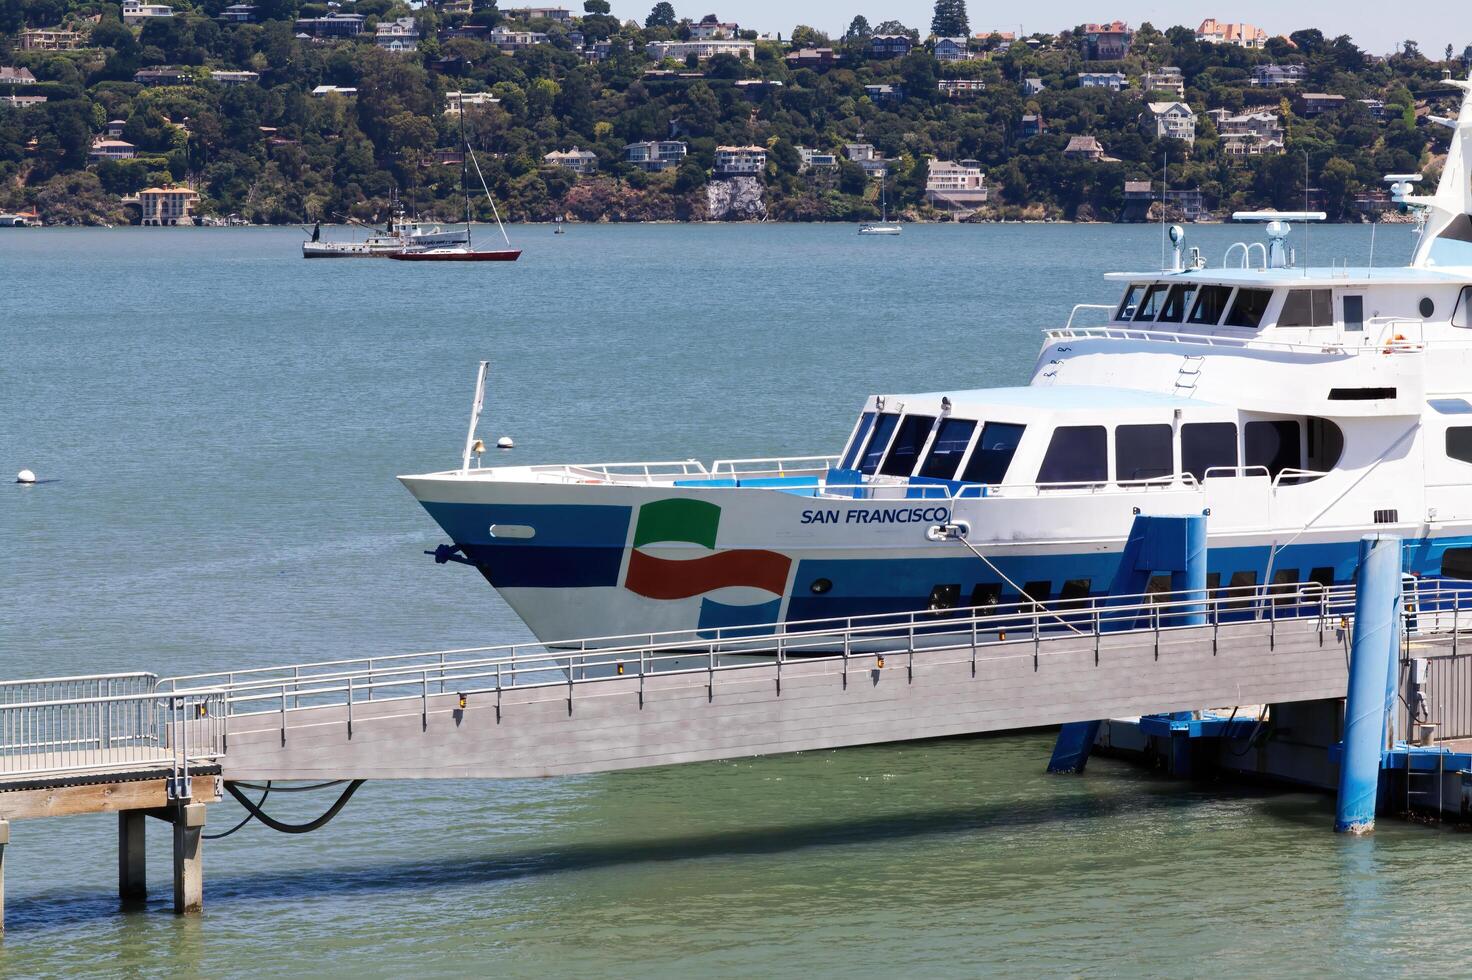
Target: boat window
(907, 445)
(1130, 301)
(1308, 308)
(986, 595)
(950, 445)
(1451, 406)
(878, 442)
(1176, 303)
(1211, 301)
(1459, 442)
(866, 422)
(993, 453)
(1285, 586)
(1240, 588)
(1248, 308)
(1462, 312)
(1323, 575)
(1037, 591)
(1075, 590)
(944, 596)
(1325, 445)
(1150, 303)
(1457, 563)
(1142, 452)
(1078, 454)
(1354, 313)
(1272, 444)
(1208, 444)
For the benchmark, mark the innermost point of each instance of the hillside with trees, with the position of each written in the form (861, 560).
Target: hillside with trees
(263, 146)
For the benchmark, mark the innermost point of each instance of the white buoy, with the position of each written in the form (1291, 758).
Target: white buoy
(505, 442)
(25, 476)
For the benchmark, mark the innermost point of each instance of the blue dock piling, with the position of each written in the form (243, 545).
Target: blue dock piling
(1174, 544)
(1377, 611)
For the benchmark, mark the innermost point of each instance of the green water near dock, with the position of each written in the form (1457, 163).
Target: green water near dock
(223, 423)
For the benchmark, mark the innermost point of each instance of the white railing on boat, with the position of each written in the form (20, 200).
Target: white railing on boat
(1086, 306)
(652, 472)
(1203, 339)
(778, 466)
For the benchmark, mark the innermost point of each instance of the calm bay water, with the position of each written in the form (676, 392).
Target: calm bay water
(224, 422)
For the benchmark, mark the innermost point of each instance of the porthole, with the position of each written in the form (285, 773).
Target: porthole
(820, 585)
(1427, 307)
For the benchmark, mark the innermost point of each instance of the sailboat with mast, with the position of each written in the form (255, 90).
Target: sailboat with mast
(466, 252)
(883, 226)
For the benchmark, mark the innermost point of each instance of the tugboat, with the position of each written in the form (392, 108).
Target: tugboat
(1298, 407)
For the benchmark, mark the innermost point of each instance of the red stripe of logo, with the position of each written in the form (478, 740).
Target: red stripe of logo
(665, 578)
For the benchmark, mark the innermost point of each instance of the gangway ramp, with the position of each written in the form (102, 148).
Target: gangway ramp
(530, 711)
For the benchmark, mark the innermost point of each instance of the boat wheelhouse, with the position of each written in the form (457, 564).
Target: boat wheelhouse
(1298, 408)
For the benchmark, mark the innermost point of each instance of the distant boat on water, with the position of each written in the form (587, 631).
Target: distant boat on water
(464, 252)
(883, 226)
(399, 235)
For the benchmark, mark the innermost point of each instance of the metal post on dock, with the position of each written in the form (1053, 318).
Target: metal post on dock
(1376, 639)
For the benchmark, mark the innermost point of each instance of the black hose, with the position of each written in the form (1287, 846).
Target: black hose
(249, 816)
(295, 828)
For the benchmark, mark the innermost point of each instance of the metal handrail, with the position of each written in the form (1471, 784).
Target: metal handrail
(1203, 339)
(174, 729)
(572, 666)
(1086, 306)
(776, 464)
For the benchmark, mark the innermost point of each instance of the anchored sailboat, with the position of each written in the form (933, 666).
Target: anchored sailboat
(883, 226)
(466, 252)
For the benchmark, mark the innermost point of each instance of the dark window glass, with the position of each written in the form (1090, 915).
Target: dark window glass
(1285, 586)
(878, 442)
(1325, 444)
(1272, 444)
(1308, 308)
(866, 422)
(1354, 313)
(1075, 590)
(1248, 308)
(1142, 452)
(1462, 312)
(948, 448)
(1207, 444)
(1130, 301)
(1037, 591)
(986, 595)
(1459, 442)
(1176, 304)
(1213, 581)
(1240, 589)
(1150, 303)
(945, 596)
(1323, 575)
(1457, 563)
(1077, 454)
(907, 445)
(1210, 302)
(993, 453)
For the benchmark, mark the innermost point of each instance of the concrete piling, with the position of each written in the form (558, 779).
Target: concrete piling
(188, 823)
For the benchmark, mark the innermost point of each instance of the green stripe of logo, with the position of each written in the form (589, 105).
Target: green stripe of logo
(678, 519)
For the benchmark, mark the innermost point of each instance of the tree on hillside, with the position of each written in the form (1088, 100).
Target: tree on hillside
(858, 29)
(895, 27)
(950, 19)
(596, 6)
(663, 15)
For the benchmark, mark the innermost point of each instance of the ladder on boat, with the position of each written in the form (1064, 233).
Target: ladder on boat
(1189, 373)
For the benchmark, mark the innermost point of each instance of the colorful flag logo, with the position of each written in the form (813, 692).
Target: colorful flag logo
(687, 521)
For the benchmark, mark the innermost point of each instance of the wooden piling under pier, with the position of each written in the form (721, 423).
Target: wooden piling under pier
(134, 793)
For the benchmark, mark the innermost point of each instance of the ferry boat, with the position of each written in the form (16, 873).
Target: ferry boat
(1298, 408)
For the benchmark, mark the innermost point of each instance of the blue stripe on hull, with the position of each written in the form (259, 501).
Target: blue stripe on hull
(572, 545)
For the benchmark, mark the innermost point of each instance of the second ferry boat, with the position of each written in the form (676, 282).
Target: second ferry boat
(1298, 408)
